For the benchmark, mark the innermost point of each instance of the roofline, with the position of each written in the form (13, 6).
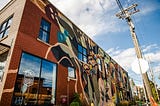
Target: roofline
(6, 6)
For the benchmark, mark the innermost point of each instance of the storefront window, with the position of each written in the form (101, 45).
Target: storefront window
(36, 82)
(30, 62)
(49, 82)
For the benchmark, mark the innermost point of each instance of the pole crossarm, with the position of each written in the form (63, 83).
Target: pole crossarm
(124, 14)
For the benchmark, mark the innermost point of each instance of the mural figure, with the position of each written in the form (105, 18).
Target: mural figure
(87, 79)
(102, 89)
(94, 78)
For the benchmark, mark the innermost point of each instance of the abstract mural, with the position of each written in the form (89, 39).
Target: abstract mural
(99, 75)
(102, 79)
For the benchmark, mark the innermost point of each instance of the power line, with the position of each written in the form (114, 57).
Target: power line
(120, 6)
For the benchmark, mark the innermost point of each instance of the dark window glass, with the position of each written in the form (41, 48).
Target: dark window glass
(82, 53)
(80, 48)
(37, 78)
(5, 26)
(95, 49)
(80, 56)
(71, 72)
(44, 32)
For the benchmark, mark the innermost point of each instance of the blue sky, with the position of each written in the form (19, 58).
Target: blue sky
(97, 19)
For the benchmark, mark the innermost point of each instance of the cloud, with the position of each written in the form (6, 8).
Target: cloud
(156, 69)
(126, 57)
(153, 56)
(148, 7)
(94, 17)
(123, 57)
(149, 47)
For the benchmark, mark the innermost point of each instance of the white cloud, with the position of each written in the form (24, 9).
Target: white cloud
(153, 56)
(149, 47)
(96, 17)
(126, 57)
(92, 16)
(109, 51)
(149, 8)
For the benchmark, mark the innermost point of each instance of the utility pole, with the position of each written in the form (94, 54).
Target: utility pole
(126, 14)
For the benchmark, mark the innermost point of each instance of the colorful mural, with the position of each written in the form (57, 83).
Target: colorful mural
(102, 79)
(99, 76)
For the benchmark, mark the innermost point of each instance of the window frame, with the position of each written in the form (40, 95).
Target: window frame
(3, 64)
(81, 52)
(74, 70)
(40, 73)
(43, 30)
(5, 26)
(99, 62)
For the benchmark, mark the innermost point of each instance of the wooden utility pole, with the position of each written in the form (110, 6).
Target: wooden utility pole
(126, 14)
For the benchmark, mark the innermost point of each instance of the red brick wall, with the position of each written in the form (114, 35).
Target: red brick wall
(27, 41)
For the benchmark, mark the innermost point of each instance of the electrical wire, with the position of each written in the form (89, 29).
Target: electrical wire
(120, 7)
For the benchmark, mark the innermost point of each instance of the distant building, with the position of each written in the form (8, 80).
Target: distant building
(45, 59)
(133, 87)
(140, 93)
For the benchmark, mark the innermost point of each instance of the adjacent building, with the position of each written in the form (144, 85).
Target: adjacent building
(45, 59)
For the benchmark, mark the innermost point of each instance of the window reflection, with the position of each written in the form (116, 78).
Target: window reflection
(4, 27)
(49, 80)
(99, 64)
(3, 58)
(71, 72)
(29, 62)
(82, 53)
(44, 30)
(36, 82)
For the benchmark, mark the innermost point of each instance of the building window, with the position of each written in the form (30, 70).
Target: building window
(95, 49)
(82, 53)
(106, 67)
(3, 58)
(36, 77)
(71, 72)
(106, 70)
(99, 64)
(5, 26)
(44, 32)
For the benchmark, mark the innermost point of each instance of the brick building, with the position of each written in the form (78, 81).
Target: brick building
(45, 59)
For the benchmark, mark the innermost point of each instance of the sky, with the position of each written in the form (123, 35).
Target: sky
(98, 20)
